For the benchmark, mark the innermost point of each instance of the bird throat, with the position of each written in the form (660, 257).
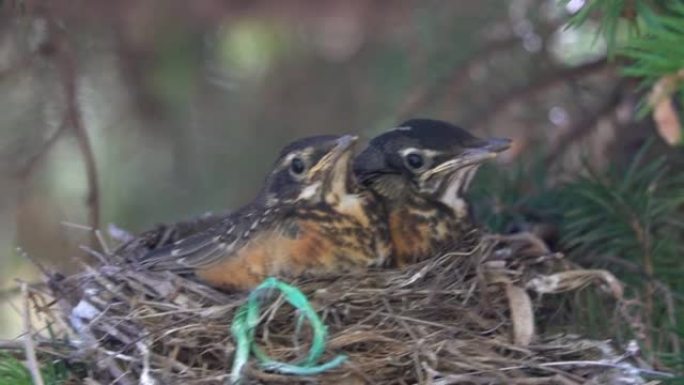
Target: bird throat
(453, 190)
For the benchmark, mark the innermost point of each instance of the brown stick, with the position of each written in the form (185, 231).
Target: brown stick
(644, 237)
(16, 290)
(20, 345)
(29, 346)
(66, 63)
(12, 345)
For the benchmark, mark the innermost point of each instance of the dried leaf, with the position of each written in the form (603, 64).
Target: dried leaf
(667, 122)
(573, 280)
(665, 116)
(522, 315)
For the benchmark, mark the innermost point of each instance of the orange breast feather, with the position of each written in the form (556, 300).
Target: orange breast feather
(410, 240)
(267, 255)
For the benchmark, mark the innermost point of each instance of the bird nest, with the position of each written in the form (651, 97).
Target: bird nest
(460, 318)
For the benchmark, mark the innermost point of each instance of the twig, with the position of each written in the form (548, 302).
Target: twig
(12, 345)
(145, 377)
(19, 344)
(635, 268)
(643, 236)
(583, 363)
(102, 242)
(14, 290)
(29, 347)
(66, 64)
(416, 340)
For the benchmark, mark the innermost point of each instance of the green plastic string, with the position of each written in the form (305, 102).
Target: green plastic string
(246, 321)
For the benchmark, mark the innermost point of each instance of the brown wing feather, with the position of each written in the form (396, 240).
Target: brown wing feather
(211, 246)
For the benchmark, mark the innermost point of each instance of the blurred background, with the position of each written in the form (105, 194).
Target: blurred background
(135, 113)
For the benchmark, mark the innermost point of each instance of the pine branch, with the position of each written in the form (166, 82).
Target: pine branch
(630, 219)
(612, 13)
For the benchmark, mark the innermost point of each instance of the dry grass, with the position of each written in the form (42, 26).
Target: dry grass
(461, 318)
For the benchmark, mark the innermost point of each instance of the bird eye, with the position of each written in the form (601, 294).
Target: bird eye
(414, 160)
(297, 166)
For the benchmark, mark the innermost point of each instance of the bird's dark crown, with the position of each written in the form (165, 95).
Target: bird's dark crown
(426, 133)
(422, 155)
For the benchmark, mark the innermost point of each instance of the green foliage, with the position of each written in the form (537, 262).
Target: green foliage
(635, 217)
(654, 46)
(659, 52)
(631, 213)
(613, 13)
(13, 372)
(628, 220)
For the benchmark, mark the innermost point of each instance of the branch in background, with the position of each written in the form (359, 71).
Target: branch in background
(544, 31)
(424, 95)
(541, 84)
(452, 83)
(582, 127)
(44, 149)
(66, 64)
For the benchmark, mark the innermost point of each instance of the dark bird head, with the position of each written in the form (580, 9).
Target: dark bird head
(313, 169)
(432, 158)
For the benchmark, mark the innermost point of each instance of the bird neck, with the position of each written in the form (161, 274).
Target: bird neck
(397, 192)
(391, 187)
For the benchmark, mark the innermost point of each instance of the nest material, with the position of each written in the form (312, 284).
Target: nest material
(461, 318)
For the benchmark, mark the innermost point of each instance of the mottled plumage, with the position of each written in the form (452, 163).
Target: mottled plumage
(310, 218)
(421, 171)
(136, 246)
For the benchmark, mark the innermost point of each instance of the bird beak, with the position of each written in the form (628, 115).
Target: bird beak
(334, 168)
(345, 143)
(331, 160)
(482, 151)
(497, 145)
(488, 149)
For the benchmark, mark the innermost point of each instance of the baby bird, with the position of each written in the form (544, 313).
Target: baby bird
(310, 218)
(421, 171)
